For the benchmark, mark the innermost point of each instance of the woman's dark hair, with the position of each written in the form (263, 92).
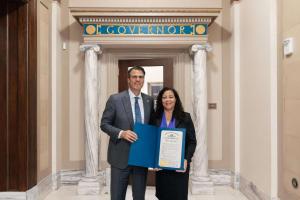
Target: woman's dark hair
(178, 112)
(139, 68)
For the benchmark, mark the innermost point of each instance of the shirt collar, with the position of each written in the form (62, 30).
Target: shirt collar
(132, 95)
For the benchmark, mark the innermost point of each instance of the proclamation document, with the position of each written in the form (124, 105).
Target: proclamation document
(158, 147)
(170, 152)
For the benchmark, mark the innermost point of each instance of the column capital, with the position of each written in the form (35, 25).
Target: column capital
(94, 47)
(197, 47)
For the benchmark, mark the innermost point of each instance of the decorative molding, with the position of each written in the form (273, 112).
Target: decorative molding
(145, 26)
(145, 12)
(141, 23)
(163, 42)
(237, 93)
(94, 47)
(146, 30)
(167, 27)
(197, 47)
(145, 19)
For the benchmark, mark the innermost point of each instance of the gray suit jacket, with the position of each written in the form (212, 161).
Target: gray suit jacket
(118, 116)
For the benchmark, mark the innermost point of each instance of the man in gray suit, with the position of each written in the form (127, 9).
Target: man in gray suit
(121, 112)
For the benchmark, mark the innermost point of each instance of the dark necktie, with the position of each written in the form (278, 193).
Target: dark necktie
(137, 111)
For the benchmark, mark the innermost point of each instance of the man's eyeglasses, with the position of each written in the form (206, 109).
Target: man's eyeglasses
(135, 77)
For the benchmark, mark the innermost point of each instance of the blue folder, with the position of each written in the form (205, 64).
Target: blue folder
(145, 151)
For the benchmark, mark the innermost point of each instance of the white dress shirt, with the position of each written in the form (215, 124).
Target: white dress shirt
(140, 101)
(132, 102)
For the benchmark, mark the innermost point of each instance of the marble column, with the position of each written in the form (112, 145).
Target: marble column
(90, 183)
(200, 180)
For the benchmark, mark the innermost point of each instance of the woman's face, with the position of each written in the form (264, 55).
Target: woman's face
(168, 100)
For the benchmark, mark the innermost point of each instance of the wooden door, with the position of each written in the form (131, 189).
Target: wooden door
(167, 81)
(18, 95)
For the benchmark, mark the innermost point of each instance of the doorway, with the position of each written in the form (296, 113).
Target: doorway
(159, 74)
(165, 63)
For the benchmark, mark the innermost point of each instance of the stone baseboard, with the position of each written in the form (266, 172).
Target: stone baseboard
(38, 192)
(48, 184)
(72, 177)
(251, 191)
(221, 177)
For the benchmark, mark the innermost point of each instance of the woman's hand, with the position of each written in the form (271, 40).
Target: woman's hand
(185, 166)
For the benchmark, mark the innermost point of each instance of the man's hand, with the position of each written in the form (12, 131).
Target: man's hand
(129, 136)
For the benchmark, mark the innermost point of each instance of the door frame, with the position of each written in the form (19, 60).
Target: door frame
(167, 70)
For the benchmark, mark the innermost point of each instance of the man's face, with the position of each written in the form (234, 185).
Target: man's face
(136, 80)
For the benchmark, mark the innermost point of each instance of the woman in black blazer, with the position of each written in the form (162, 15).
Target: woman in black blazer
(173, 185)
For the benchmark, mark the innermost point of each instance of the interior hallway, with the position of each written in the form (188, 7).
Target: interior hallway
(69, 193)
(254, 86)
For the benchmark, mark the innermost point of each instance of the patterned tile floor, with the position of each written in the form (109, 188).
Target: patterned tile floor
(69, 193)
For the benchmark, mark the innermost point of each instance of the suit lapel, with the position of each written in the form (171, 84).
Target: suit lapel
(158, 122)
(127, 107)
(177, 122)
